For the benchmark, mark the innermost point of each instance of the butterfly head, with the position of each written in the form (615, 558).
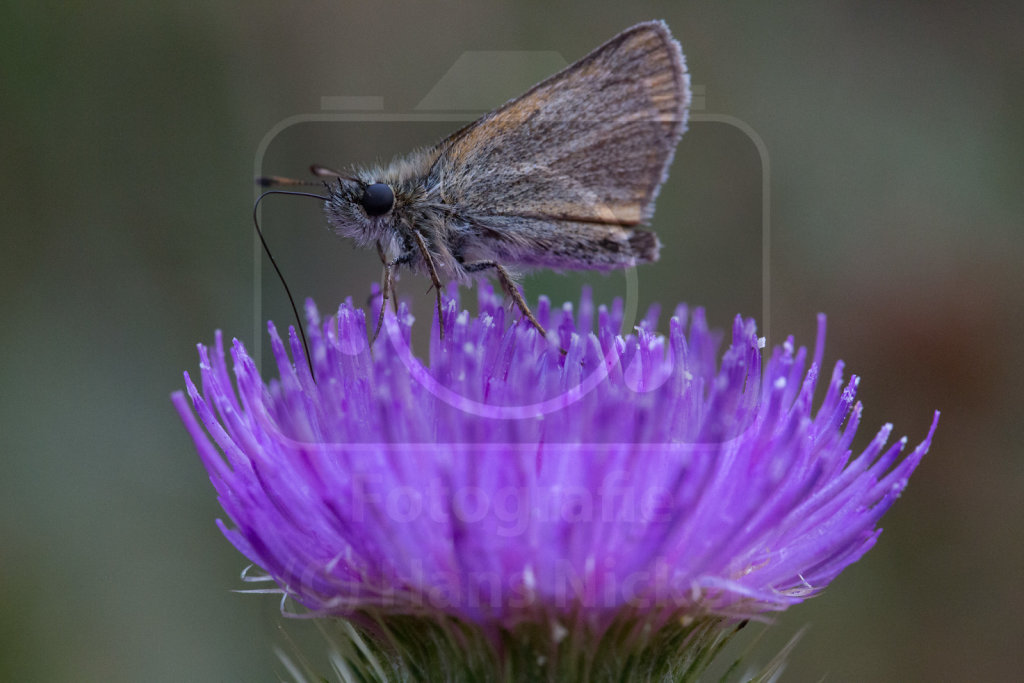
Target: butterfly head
(362, 210)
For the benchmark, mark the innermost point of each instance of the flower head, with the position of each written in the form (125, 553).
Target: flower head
(504, 482)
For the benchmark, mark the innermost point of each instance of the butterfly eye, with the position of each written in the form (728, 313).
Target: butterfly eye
(377, 199)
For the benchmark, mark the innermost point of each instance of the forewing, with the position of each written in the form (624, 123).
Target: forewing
(592, 143)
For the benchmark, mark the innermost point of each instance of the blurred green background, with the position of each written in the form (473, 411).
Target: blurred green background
(130, 135)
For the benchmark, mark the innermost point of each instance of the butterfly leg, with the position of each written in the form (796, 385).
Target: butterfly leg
(510, 289)
(388, 286)
(425, 253)
(386, 291)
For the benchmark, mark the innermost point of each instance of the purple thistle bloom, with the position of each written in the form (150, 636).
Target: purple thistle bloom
(504, 482)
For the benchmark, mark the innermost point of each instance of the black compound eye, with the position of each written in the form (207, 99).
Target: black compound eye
(377, 199)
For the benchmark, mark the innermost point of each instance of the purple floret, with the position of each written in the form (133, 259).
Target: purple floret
(503, 481)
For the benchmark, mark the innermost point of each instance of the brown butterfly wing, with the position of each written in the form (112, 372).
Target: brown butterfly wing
(590, 144)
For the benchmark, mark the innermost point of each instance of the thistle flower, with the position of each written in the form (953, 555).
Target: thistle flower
(627, 488)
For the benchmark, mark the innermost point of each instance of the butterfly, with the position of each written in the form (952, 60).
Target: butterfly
(564, 177)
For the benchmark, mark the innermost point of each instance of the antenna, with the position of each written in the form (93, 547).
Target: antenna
(263, 241)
